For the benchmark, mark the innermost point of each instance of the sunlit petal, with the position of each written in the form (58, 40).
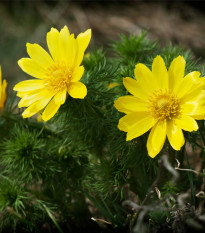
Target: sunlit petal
(133, 87)
(176, 72)
(50, 110)
(145, 78)
(32, 68)
(186, 123)
(35, 107)
(175, 135)
(141, 126)
(77, 74)
(29, 85)
(83, 39)
(129, 104)
(53, 43)
(77, 90)
(156, 138)
(39, 55)
(160, 73)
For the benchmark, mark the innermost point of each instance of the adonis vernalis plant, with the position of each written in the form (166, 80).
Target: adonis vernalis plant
(2, 92)
(55, 76)
(164, 101)
(63, 175)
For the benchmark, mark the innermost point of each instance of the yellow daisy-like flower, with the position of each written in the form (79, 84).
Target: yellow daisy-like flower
(165, 101)
(55, 76)
(2, 92)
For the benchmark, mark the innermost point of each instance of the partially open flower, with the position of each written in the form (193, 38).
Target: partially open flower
(2, 93)
(164, 101)
(55, 76)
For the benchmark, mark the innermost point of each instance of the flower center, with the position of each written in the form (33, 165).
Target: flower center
(163, 105)
(58, 77)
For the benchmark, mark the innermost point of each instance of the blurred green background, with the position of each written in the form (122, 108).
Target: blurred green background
(29, 21)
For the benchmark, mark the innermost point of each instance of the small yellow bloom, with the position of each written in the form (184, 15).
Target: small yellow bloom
(164, 101)
(39, 118)
(87, 55)
(55, 76)
(111, 85)
(2, 92)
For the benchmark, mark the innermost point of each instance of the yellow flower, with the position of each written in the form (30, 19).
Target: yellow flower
(55, 76)
(2, 92)
(165, 101)
(87, 55)
(111, 85)
(39, 118)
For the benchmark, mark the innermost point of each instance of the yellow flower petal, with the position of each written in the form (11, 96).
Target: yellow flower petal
(34, 96)
(21, 94)
(176, 72)
(132, 86)
(63, 42)
(77, 90)
(145, 79)
(68, 47)
(129, 104)
(193, 96)
(39, 55)
(3, 94)
(156, 138)
(194, 75)
(111, 85)
(4, 85)
(175, 135)
(50, 110)
(127, 122)
(160, 73)
(83, 39)
(186, 123)
(35, 107)
(189, 108)
(199, 117)
(32, 68)
(0, 76)
(189, 84)
(193, 109)
(199, 113)
(138, 126)
(29, 85)
(77, 74)
(71, 53)
(60, 97)
(53, 43)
